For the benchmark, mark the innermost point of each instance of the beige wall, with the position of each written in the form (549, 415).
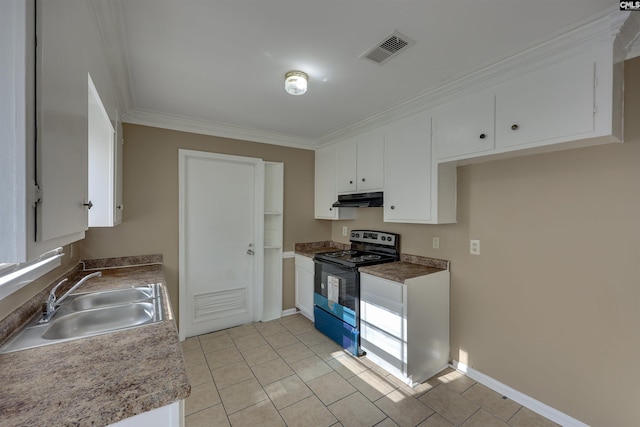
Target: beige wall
(551, 307)
(150, 217)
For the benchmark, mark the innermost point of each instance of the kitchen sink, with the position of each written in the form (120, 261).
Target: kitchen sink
(100, 320)
(90, 314)
(91, 300)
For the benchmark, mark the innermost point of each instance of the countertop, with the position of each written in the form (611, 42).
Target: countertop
(409, 267)
(309, 249)
(98, 380)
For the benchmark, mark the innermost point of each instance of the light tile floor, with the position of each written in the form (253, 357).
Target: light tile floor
(285, 373)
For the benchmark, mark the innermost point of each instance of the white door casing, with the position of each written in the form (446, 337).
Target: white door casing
(221, 208)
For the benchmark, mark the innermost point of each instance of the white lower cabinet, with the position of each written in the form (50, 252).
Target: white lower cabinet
(305, 271)
(165, 416)
(404, 327)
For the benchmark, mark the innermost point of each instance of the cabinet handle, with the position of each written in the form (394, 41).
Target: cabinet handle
(119, 207)
(363, 180)
(330, 209)
(392, 207)
(483, 136)
(514, 127)
(350, 182)
(88, 205)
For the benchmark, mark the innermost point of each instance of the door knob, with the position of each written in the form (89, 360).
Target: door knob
(88, 205)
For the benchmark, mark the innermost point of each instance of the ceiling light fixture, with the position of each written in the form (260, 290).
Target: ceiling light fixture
(295, 82)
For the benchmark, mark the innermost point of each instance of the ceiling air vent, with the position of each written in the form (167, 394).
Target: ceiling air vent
(388, 48)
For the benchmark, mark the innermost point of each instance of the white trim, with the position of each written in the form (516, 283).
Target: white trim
(25, 274)
(288, 254)
(521, 398)
(108, 19)
(289, 312)
(206, 127)
(258, 271)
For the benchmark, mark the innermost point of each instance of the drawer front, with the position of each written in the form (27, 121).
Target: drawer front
(382, 313)
(387, 347)
(386, 289)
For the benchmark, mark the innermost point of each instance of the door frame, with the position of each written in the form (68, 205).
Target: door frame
(258, 258)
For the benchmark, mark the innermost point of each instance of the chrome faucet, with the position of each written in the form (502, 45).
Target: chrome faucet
(53, 303)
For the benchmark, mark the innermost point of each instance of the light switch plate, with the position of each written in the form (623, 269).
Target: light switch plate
(344, 230)
(474, 247)
(436, 243)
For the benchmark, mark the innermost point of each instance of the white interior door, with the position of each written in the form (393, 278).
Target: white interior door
(221, 239)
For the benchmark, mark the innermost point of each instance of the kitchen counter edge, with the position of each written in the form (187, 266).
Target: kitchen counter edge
(409, 267)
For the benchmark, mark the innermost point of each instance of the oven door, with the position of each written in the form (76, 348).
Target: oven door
(336, 291)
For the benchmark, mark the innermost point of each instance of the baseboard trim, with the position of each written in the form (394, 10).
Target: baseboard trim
(521, 398)
(289, 312)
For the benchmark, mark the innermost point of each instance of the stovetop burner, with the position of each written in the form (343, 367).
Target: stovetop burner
(340, 253)
(362, 258)
(367, 248)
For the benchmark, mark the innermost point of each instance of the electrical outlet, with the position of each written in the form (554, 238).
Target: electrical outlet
(436, 243)
(474, 247)
(344, 230)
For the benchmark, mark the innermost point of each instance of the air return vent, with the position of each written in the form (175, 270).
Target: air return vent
(388, 48)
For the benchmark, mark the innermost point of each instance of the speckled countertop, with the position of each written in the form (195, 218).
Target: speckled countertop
(409, 267)
(98, 380)
(311, 248)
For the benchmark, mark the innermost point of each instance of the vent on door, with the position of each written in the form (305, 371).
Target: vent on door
(214, 305)
(388, 48)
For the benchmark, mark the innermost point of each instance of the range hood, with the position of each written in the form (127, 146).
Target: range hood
(360, 200)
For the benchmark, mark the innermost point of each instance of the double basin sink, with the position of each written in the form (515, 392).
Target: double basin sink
(94, 313)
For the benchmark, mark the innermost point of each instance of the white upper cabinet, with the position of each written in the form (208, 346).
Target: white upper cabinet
(407, 170)
(62, 117)
(51, 126)
(346, 158)
(360, 163)
(568, 102)
(417, 189)
(556, 102)
(103, 164)
(464, 126)
(325, 186)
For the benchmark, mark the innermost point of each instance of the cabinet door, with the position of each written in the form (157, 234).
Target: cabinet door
(62, 98)
(556, 102)
(325, 183)
(464, 127)
(370, 161)
(407, 170)
(102, 163)
(346, 153)
(304, 285)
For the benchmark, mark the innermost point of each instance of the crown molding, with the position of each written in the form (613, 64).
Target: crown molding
(601, 28)
(108, 18)
(627, 36)
(205, 127)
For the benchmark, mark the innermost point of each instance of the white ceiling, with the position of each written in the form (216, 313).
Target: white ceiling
(222, 62)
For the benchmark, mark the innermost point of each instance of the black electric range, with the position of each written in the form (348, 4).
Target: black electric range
(337, 284)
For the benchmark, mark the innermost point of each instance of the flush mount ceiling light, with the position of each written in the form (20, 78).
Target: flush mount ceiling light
(295, 82)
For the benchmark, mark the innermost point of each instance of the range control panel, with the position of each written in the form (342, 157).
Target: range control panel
(374, 237)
